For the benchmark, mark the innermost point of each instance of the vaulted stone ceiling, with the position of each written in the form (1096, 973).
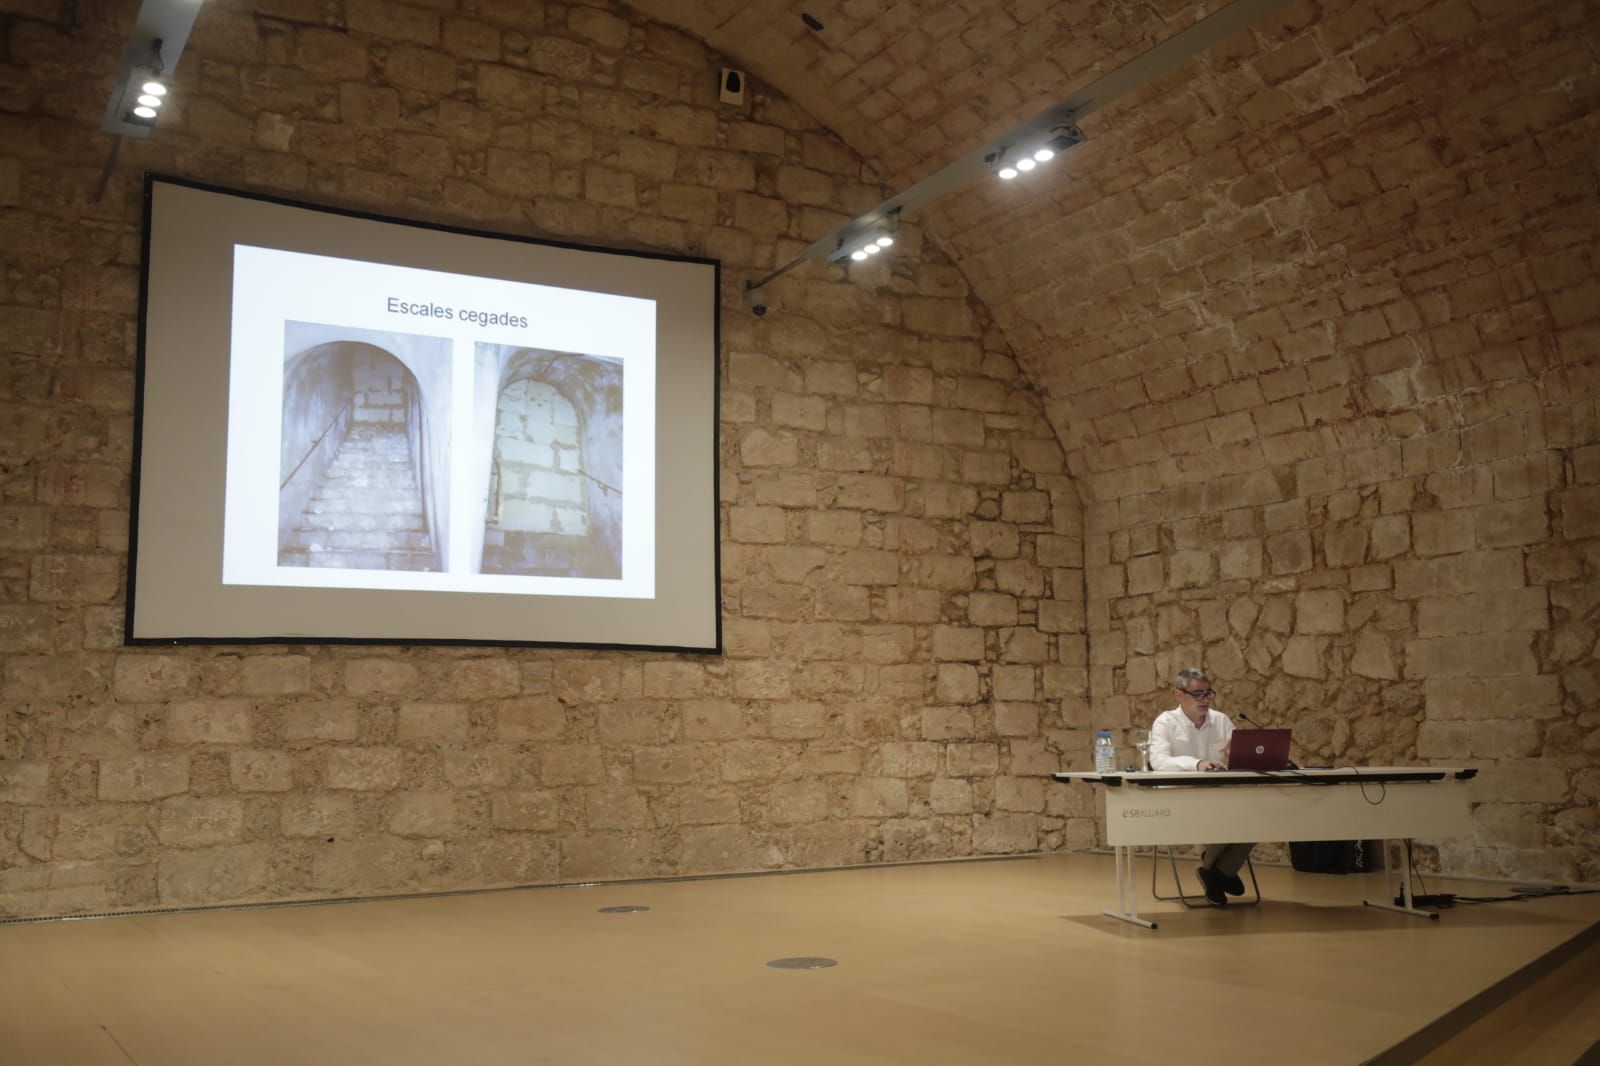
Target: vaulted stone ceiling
(1353, 235)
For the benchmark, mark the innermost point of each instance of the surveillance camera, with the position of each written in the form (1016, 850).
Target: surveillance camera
(756, 300)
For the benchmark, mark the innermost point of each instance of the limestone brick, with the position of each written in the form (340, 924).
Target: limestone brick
(792, 802)
(878, 797)
(616, 807)
(1019, 794)
(1289, 553)
(1014, 683)
(363, 769)
(754, 760)
(24, 782)
(712, 720)
(1442, 532)
(957, 683)
(481, 768)
(479, 679)
(971, 760)
(1006, 833)
(1491, 655)
(1374, 657)
(211, 875)
(721, 847)
(534, 811)
(631, 723)
(255, 770)
(433, 721)
(1472, 698)
(1319, 611)
(992, 609)
(1238, 559)
(595, 680)
(311, 815)
(672, 765)
(1523, 781)
(144, 777)
(798, 720)
(374, 677)
(696, 807)
(274, 675)
(1469, 613)
(146, 677)
(570, 764)
(1303, 657)
(1444, 740)
(1500, 738)
(948, 723)
(206, 722)
(950, 796)
(535, 719)
(194, 821)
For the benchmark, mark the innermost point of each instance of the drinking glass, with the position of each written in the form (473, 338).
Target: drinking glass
(1141, 741)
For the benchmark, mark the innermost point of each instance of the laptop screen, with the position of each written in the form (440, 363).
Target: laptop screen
(1259, 749)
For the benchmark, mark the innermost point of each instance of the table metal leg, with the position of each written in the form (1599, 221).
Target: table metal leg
(1398, 883)
(1127, 890)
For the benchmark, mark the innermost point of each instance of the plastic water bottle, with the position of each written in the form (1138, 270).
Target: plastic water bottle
(1105, 755)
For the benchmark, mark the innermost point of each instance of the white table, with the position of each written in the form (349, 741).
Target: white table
(1390, 803)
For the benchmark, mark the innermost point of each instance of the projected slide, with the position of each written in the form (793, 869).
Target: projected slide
(436, 431)
(419, 434)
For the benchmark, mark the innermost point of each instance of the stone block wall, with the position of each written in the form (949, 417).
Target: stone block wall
(902, 549)
(1319, 326)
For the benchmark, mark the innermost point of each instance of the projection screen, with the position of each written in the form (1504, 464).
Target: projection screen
(360, 429)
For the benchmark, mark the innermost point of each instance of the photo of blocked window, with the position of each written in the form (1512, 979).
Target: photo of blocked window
(554, 494)
(364, 472)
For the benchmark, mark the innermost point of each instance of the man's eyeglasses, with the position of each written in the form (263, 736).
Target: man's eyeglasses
(1203, 694)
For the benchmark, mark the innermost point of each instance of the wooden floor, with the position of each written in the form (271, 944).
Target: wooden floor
(984, 962)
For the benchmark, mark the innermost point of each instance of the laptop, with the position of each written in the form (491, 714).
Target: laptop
(1259, 749)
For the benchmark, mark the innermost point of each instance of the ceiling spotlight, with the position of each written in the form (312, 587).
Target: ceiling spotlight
(1007, 173)
(866, 240)
(1044, 155)
(144, 112)
(148, 100)
(1026, 164)
(154, 88)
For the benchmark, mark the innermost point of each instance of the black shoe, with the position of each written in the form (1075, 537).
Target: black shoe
(1232, 883)
(1213, 882)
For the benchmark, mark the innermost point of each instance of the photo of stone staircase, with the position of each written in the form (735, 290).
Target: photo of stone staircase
(367, 512)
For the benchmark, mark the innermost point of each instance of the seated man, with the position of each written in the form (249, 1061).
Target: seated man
(1194, 736)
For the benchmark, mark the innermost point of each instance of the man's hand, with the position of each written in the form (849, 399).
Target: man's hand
(1207, 764)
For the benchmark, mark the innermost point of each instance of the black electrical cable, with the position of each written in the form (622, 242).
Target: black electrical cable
(1446, 900)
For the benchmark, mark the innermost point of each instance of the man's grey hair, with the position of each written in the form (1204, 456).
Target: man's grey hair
(1188, 674)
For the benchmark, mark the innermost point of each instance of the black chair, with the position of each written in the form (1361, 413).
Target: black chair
(1183, 897)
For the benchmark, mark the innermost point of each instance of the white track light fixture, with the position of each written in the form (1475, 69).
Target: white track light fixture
(1023, 148)
(143, 84)
(1007, 164)
(863, 246)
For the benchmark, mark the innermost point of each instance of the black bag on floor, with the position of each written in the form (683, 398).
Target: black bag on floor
(1335, 856)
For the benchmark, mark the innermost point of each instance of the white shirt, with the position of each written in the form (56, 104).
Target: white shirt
(1176, 743)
